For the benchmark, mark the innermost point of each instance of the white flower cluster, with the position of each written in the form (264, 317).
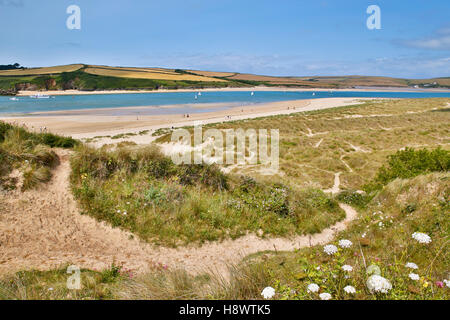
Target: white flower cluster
(313, 288)
(347, 268)
(268, 292)
(447, 283)
(411, 265)
(350, 290)
(344, 243)
(325, 296)
(414, 276)
(378, 284)
(330, 249)
(421, 237)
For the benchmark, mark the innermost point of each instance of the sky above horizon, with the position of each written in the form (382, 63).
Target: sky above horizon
(287, 38)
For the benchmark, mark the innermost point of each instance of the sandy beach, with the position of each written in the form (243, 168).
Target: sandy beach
(85, 124)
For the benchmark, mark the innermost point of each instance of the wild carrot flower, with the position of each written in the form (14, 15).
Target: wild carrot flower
(414, 276)
(325, 296)
(347, 268)
(313, 288)
(344, 243)
(421, 237)
(350, 290)
(447, 283)
(330, 249)
(268, 292)
(411, 265)
(378, 284)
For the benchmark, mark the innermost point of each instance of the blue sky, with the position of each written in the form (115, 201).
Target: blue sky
(285, 37)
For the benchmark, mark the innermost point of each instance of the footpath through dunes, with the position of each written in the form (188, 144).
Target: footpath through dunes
(43, 228)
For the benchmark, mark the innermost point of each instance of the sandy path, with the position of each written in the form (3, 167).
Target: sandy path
(43, 228)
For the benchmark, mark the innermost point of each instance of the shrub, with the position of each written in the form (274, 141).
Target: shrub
(410, 163)
(353, 198)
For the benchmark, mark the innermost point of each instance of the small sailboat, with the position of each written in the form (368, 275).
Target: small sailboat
(39, 96)
(13, 99)
(314, 93)
(199, 94)
(252, 94)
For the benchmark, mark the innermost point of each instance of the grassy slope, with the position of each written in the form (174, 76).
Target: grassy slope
(389, 247)
(170, 204)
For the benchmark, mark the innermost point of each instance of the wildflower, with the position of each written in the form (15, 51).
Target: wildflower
(330, 249)
(380, 224)
(414, 276)
(439, 284)
(118, 211)
(50, 289)
(350, 290)
(364, 235)
(325, 296)
(347, 268)
(447, 283)
(421, 237)
(425, 284)
(268, 292)
(411, 265)
(313, 288)
(373, 269)
(344, 243)
(378, 284)
(124, 213)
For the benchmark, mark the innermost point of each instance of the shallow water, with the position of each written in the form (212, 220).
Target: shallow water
(184, 102)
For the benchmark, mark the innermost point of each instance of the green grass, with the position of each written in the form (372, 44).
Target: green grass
(142, 191)
(389, 247)
(379, 128)
(175, 205)
(404, 206)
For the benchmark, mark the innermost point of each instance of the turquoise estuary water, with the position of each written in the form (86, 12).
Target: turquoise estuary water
(181, 102)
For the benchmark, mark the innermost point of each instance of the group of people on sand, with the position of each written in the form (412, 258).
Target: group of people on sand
(186, 115)
(24, 125)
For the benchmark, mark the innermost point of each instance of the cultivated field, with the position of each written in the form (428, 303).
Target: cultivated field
(42, 71)
(146, 73)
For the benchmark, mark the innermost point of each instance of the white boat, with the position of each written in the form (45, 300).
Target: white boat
(252, 94)
(199, 93)
(314, 93)
(39, 96)
(13, 99)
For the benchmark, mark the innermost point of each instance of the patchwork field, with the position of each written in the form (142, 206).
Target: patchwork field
(41, 71)
(93, 77)
(147, 73)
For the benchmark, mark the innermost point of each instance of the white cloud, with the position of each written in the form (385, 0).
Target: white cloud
(439, 41)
